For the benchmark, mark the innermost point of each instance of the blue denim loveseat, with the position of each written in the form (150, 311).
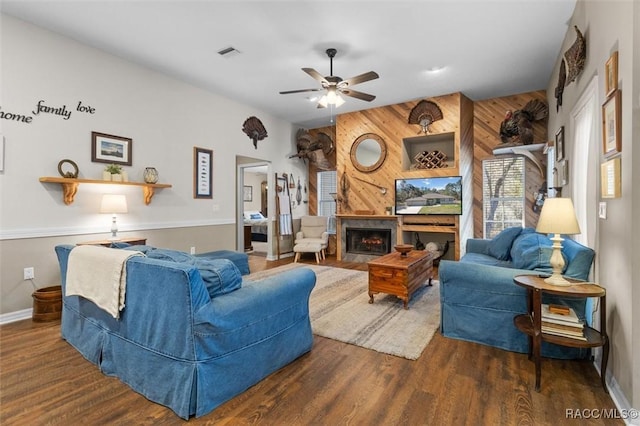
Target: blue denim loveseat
(479, 298)
(180, 347)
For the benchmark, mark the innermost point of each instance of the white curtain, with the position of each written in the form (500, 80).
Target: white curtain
(584, 168)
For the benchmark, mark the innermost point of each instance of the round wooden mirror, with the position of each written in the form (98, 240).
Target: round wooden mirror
(368, 152)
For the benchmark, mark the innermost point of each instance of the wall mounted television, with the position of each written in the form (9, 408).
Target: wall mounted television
(429, 196)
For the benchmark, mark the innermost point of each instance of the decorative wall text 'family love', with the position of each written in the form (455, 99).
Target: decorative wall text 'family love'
(43, 108)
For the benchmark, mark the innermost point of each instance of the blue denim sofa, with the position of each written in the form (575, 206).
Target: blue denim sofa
(180, 347)
(479, 298)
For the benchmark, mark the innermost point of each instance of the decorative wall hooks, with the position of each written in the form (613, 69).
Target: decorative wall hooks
(425, 113)
(254, 128)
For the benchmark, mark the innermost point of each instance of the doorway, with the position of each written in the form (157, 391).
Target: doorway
(253, 224)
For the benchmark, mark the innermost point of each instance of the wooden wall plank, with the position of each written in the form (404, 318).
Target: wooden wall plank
(488, 115)
(474, 121)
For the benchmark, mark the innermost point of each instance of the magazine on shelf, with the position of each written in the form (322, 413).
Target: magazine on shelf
(562, 333)
(565, 323)
(570, 328)
(574, 332)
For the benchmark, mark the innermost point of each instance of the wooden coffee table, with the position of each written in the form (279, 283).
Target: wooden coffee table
(400, 275)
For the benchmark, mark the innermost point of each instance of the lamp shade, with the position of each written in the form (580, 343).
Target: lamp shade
(558, 217)
(332, 97)
(113, 204)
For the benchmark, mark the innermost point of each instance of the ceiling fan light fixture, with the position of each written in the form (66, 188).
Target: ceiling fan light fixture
(334, 86)
(332, 97)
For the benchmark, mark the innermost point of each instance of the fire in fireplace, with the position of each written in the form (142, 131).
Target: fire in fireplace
(368, 241)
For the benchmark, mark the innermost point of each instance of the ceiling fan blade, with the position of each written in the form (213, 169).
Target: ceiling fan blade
(359, 95)
(367, 76)
(300, 91)
(315, 74)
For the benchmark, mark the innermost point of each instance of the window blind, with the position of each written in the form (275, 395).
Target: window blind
(503, 194)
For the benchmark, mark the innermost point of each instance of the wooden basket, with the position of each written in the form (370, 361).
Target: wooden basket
(47, 304)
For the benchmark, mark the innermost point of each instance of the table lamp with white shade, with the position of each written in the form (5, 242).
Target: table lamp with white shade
(113, 204)
(557, 217)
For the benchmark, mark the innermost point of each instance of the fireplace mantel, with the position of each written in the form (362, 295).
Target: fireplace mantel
(368, 216)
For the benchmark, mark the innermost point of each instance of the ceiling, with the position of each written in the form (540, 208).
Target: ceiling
(484, 49)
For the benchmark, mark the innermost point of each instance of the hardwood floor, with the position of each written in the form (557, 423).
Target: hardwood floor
(43, 380)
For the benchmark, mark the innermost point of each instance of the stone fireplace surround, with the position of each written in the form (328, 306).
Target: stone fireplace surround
(363, 221)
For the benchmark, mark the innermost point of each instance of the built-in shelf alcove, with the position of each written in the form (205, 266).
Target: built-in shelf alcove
(442, 142)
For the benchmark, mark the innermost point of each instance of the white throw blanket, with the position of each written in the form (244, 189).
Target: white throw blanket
(100, 275)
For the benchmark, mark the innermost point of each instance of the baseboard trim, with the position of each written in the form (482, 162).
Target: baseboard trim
(619, 400)
(16, 316)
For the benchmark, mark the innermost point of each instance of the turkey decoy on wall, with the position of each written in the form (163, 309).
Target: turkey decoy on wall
(425, 113)
(517, 127)
(254, 128)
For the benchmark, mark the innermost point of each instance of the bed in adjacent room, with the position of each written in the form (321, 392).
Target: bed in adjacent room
(258, 225)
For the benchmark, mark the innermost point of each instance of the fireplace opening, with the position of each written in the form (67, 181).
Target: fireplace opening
(368, 241)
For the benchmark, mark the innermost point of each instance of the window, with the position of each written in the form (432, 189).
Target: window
(326, 203)
(502, 194)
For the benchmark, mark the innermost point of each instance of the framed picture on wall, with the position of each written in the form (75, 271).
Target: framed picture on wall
(611, 75)
(248, 193)
(610, 184)
(611, 125)
(202, 166)
(111, 149)
(560, 144)
(564, 172)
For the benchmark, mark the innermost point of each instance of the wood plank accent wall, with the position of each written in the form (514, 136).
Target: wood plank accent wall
(476, 121)
(488, 115)
(391, 124)
(313, 170)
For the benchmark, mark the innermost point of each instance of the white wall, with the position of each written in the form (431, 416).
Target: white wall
(609, 26)
(164, 117)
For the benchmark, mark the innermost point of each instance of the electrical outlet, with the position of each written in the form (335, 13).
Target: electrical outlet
(29, 273)
(193, 250)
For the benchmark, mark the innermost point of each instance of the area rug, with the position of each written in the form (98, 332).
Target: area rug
(339, 309)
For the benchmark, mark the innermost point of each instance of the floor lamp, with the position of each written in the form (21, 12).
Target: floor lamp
(558, 217)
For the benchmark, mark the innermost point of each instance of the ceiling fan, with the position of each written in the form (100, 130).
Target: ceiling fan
(335, 86)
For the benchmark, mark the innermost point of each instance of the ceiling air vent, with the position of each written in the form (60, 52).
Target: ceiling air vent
(228, 52)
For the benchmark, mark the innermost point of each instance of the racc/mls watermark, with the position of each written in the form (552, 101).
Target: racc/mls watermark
(601, 413)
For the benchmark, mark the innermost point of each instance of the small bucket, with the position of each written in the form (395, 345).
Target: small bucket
(47, 304)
